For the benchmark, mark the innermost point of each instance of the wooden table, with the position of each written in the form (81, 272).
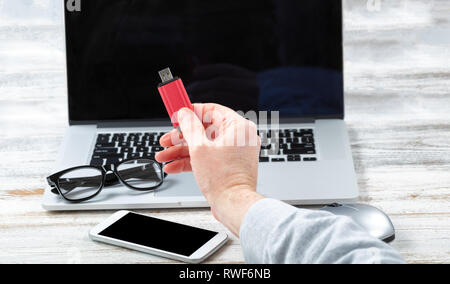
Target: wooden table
(397, 59)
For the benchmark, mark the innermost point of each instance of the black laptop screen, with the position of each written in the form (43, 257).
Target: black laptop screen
(273, 55)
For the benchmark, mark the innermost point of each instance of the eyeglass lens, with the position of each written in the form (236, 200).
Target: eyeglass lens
(140, 173)
(80, 183)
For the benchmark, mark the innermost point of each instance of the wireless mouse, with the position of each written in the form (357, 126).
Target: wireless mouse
(375, 221)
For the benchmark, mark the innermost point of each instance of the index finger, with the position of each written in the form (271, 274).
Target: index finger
(206, 113)
(171, 138)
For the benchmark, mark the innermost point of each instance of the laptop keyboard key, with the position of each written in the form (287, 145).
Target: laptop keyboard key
(102, 139)
(283, 146)
(124, 144)
(134, 155)
(264, 159)
(302, 146)
(111, 161)
(107, 155)
(306, 134)
(105, 145)
(299, 152)
(149, 155)
(105, 151)
(309, 159)
(294, 158)
(266, 147)
(307, 140)
(142, 149)
(96, 162)
(118, 139)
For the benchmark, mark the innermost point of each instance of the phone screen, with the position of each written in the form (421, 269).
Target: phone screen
(159, 234)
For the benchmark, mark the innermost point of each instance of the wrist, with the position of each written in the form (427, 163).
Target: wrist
(231, 206)
(229, 194)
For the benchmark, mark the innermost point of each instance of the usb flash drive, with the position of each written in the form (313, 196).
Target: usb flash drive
(173, 94)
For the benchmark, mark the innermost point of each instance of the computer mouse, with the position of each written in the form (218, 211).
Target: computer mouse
(375, 221)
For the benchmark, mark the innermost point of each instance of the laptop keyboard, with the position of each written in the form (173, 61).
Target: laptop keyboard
(111, 148)
(294, 145)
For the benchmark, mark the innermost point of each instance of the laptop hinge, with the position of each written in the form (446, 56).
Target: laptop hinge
(294, 120)
(122, 124)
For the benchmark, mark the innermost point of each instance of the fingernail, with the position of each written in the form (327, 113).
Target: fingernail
(184, 109)
(182, 112)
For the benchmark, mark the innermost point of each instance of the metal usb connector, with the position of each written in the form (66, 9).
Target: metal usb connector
(165, 75)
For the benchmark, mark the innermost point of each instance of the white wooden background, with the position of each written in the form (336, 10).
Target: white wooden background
(397, 59)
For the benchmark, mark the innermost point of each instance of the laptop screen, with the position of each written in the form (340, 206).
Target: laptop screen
(262, 55)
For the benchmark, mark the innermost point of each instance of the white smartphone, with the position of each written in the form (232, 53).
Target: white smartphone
(159, 237)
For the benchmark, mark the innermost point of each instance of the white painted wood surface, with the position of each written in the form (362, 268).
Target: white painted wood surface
(397, 59)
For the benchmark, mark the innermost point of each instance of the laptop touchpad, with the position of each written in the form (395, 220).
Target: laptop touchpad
(179, 185)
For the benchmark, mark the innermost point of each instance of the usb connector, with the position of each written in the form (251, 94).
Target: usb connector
(173, 94)
(165, 75)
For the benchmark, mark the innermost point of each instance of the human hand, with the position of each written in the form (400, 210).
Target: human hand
(222, 150)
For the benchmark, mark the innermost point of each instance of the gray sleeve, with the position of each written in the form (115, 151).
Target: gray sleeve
(275, 232)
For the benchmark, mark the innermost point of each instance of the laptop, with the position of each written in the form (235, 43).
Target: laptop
(283, 59)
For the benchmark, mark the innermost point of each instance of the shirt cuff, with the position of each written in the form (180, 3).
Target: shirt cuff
(258, 223)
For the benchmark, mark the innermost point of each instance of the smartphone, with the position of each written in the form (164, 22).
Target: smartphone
(159, 237)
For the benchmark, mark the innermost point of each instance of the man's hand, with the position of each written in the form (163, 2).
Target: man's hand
(222, 149)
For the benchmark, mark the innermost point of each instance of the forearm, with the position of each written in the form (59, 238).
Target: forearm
(274, 232)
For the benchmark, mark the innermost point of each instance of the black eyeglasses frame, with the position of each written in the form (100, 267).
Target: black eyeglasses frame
(110, 176)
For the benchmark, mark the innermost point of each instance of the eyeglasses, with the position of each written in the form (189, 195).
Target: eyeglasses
(82, 183)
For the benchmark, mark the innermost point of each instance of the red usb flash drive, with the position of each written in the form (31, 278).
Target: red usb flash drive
(173, 94)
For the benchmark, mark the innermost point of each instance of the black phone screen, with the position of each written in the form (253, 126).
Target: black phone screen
(159, 234)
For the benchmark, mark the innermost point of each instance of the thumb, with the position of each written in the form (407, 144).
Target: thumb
(192, 128)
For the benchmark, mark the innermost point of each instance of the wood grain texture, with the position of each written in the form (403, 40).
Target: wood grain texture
(397, 60)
